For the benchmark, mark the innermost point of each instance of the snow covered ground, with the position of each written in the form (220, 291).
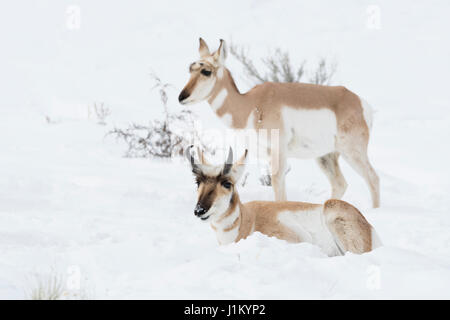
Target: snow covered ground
(70, 201)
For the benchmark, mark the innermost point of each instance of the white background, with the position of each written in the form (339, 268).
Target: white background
(69, 198)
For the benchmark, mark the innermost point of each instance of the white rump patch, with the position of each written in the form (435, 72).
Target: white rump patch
(219, 99)
(376, 241)
(367, 112)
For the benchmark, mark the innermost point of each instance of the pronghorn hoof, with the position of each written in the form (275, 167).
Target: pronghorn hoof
(266, 180)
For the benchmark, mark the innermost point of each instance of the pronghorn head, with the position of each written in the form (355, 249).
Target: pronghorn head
(204, 74)
(216, 185)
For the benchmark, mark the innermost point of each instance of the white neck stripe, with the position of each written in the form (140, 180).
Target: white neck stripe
(219, 99)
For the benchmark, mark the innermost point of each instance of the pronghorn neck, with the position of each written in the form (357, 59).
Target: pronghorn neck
(228, 226)
(227, 102)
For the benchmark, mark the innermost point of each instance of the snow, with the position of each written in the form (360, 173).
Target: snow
(69, 198)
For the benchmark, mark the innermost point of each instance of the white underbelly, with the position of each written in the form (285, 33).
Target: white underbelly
(309, 133)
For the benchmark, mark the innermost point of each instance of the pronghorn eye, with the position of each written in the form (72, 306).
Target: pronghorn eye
(205, 72)
(226, 184)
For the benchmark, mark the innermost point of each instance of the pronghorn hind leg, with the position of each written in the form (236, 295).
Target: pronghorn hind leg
(348, 226)
(359, 161)
(330, 166)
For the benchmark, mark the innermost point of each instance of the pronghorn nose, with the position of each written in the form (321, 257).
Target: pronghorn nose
(183, 95)
(199, 210)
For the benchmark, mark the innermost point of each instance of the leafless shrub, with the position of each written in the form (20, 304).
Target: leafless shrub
(101, 112)
(161, 138)
(49, 120)
(162, 89)
(250, 70)
(157, 138)
(54, 285)
(48, 287)
(277, 67)
(324, 72)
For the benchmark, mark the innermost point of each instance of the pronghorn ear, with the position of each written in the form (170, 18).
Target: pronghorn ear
(201, 157)
(221, 54)
(203, 49)
(238, 167)
(196, 170)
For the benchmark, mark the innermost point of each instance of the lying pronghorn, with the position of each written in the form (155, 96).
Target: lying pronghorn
(335, 226)
(314, 121)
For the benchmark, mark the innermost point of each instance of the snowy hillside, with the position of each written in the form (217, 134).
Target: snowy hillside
(69, 200)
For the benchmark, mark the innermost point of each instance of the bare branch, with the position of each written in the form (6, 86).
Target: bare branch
(101, 112)
(163, 139)
(277, 67)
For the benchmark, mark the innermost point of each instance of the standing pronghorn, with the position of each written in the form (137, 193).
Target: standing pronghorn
(336, 226)
(314, 121)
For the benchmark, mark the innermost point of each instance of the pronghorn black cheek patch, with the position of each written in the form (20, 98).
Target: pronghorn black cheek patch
(199, 177)
(207, 198)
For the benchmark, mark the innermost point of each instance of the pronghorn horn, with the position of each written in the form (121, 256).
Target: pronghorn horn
(203, 49)
(228, 163)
